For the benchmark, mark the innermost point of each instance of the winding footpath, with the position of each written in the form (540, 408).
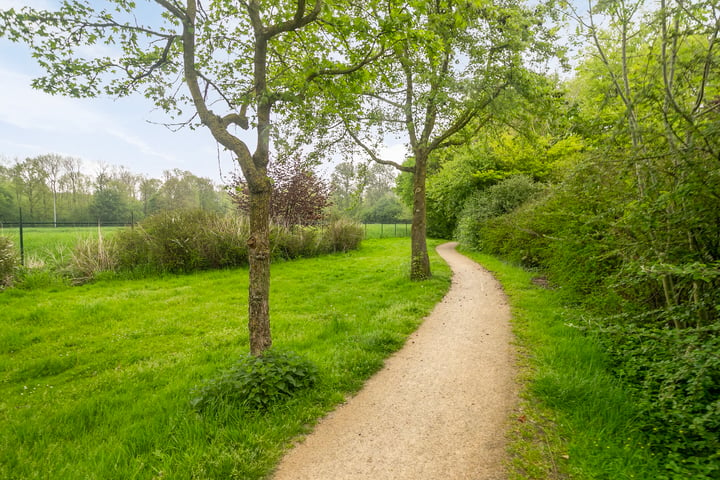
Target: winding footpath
(439, 408)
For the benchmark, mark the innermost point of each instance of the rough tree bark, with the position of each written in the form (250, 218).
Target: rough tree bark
(420, 261)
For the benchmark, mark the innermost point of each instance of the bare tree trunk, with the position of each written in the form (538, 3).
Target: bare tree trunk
(420, 262)
(259, 260)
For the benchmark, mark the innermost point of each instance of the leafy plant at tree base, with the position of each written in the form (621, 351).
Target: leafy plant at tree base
(256, 383)
(8, 261)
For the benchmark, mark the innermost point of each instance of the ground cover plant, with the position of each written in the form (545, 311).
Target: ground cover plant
(575, 418)
(97, 380)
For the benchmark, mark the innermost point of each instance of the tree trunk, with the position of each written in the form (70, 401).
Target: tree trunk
(259, 261)
(420, 262)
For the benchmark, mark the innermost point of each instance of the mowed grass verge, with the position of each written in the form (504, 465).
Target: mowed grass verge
(575, 420)
(96, 381)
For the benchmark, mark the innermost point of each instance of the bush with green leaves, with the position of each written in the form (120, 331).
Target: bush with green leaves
(8, 261)
(675, 374)
(184, 241)
(295, 242)
(256, 383)
(520, 236)
(493, 202)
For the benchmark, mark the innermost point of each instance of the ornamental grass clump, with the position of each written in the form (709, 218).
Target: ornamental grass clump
(343, 235)
(8, 261)
(256, 383)
(184, 241)
(90, 257)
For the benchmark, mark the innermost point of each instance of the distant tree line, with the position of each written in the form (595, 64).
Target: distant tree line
(56, 188)
(366, 192)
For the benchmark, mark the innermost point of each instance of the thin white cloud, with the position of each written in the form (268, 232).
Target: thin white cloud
(140, 144)
(24, 107)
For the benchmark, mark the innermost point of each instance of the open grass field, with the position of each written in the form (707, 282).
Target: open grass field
(391, 230)
(47, 244)
(96, 381)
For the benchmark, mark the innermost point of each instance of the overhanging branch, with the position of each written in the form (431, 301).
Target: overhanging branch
(371, 153)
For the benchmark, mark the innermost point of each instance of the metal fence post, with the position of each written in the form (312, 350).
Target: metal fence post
(22, 244)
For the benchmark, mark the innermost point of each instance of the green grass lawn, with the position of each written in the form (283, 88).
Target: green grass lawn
(95, 381)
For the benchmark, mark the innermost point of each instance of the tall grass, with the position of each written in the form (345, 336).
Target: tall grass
(50, 247)
(96, 381)
(45, 244)
(575, 418)
(8, 261)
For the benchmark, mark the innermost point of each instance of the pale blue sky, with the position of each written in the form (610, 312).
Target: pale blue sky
(116, 132)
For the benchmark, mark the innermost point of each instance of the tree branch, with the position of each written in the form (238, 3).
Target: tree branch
(174, 9)
(216, 124)
(374, 156)
(300, 19)
(465, 118)
(348, 70)
(392, 103)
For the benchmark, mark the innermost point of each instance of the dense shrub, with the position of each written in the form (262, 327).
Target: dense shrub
(520, 236)
(675, 374)
(295, 242)
(492, 202)
(8, 261)
(185, 241)
(582, 233)
(256, 383)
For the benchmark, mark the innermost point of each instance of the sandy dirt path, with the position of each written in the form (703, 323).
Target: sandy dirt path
(440, 406)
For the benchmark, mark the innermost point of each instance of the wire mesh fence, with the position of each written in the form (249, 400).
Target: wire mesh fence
(38, 241)
(386, 230)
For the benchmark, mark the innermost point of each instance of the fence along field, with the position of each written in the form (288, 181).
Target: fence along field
(43, 242)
